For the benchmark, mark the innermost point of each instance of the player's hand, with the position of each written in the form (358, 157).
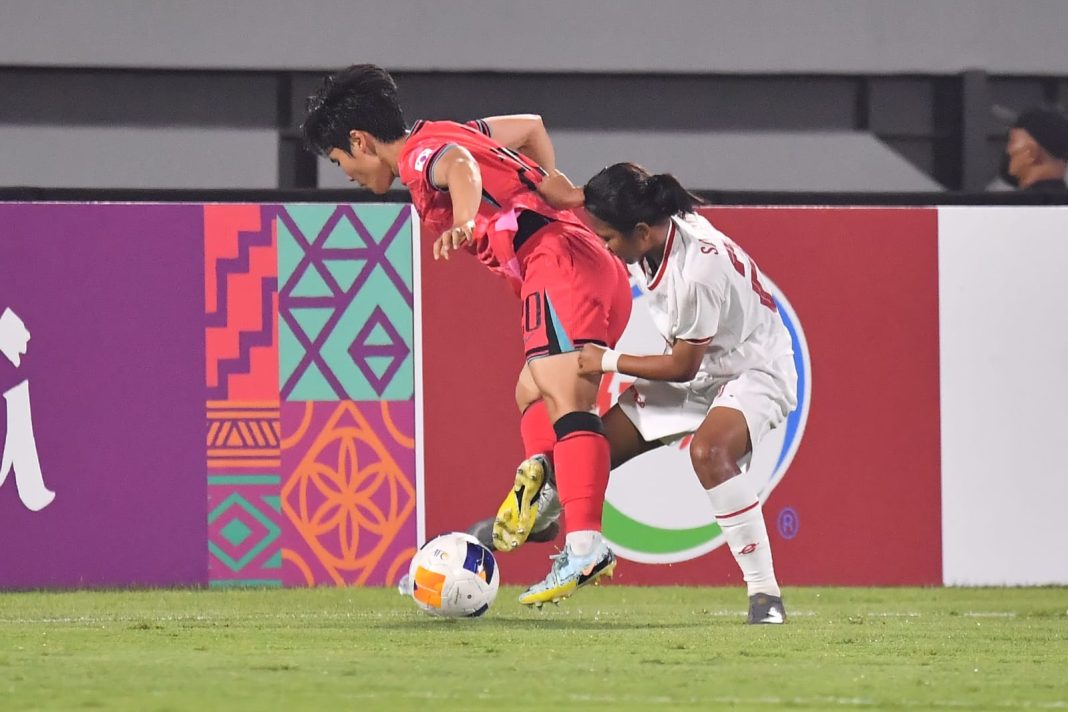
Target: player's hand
(559, 192)
(453, 239)
(590, 359)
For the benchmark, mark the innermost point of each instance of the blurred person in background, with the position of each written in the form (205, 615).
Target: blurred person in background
(1036, 152)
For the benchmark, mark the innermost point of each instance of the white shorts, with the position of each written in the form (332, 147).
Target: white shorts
(669, 412)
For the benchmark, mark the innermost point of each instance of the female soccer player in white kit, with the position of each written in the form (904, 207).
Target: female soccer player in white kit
(727, 375)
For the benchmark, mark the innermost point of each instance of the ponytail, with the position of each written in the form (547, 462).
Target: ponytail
(668, 197)
(625, 194)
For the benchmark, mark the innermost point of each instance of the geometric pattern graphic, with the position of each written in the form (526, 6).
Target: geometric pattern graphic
(348, 496)
(243, 435)
(244, 524)
(346, 325)
(241, 302)
(243, 425)
(309, 334)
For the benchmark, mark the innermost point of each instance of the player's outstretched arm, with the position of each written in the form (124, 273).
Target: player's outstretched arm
(458, 171)
(679, 366)
(560, 192)
(524, 133)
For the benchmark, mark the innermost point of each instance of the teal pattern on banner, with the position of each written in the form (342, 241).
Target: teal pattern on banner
(334, 346)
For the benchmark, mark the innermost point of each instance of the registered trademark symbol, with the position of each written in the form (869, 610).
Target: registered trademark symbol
(789, 523)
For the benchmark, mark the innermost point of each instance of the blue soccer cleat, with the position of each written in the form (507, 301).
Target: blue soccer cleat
(569, 573)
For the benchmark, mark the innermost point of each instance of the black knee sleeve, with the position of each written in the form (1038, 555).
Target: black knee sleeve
(578, 421)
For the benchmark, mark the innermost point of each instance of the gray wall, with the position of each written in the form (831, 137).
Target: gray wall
(123, 157)
(747, 94)
(765, 160)
(850, 36)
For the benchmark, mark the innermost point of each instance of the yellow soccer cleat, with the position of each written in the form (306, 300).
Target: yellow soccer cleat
(517, 515)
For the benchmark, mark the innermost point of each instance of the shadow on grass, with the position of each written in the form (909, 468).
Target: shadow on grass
(463, 625)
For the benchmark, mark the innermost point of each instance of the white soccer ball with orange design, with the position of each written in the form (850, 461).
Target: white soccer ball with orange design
(454, 576)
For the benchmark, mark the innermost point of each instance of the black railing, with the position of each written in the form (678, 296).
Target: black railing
(713, 197)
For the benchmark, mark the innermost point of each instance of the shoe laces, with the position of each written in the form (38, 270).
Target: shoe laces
(559, 559)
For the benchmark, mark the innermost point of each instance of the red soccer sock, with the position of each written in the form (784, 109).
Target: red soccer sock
(537, 431)
(582, 464)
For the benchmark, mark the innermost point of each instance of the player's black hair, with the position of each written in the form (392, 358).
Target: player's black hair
(362, 97)
(626, 194)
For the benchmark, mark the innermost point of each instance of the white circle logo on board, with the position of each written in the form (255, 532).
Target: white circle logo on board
(655, 509)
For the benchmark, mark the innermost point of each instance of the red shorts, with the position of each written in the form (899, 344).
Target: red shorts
(574, 292)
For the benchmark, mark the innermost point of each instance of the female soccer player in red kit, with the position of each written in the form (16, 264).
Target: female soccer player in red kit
(471, 187)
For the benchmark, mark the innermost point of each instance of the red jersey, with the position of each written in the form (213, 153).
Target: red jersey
(509, 185)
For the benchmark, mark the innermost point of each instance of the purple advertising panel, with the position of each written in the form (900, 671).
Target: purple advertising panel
(102, 419)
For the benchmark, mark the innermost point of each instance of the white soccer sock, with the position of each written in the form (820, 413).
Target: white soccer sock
(741, 518)
(583, 541)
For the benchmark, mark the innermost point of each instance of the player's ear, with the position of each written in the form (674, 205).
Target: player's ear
(641, 232)
(358, 142)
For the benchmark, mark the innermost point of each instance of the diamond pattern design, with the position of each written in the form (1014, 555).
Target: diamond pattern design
(327, 256)
(244, 513)
(244, 529)
(396, 351)
(235, 532)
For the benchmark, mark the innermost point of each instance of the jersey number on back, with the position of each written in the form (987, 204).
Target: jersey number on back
(754, 277)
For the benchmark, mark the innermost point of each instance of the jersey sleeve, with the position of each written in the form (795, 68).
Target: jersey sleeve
(699, 308)
(480, 125)
(417, 166)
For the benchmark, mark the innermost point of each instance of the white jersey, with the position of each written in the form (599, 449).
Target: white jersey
(708, 290)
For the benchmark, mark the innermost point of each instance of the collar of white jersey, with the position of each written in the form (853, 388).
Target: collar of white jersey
(661, 269)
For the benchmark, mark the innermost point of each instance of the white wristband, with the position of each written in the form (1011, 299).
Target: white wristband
(610, 361)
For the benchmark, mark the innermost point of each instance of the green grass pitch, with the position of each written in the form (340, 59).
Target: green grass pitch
(611, 647)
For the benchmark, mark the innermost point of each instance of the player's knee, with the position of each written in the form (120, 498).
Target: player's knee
(526, 393)
(524, 399)
(713, 463)
(578, 422)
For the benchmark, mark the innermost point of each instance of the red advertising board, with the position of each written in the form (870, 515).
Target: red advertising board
(859, 503)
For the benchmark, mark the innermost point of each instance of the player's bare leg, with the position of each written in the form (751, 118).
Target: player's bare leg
(624, 441)
(582, 460)
(717, 446)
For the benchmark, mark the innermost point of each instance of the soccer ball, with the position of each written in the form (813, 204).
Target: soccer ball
(454, 576)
